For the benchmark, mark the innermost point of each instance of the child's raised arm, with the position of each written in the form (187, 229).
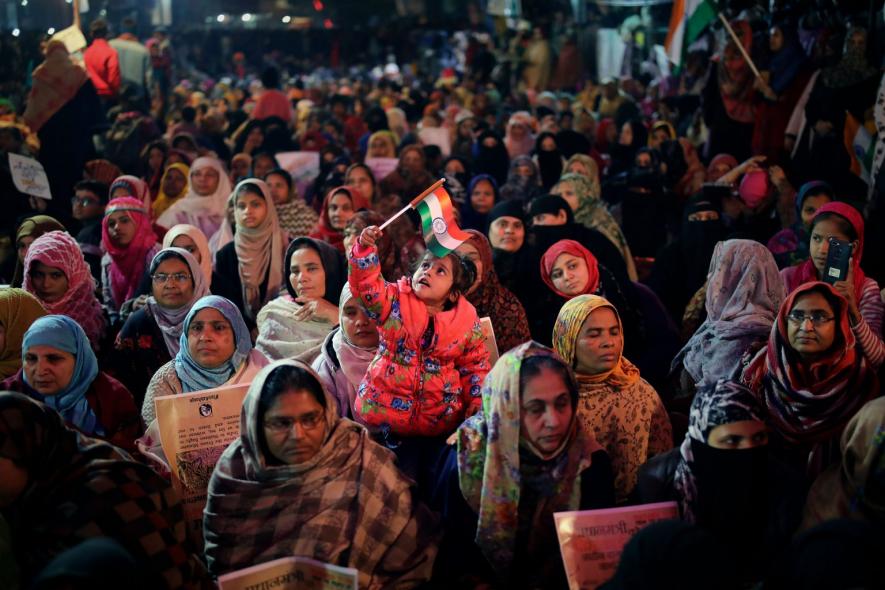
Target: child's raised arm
(364, 276)
(473, 366)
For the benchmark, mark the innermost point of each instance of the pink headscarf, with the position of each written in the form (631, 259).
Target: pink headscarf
(59, 250)
(135, 187)
(128, 263)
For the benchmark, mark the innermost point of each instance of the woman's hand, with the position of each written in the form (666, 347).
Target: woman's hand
(846, 289)
(369, 236)
(316, 309)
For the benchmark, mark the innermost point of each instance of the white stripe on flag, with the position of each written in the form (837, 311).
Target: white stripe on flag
(445, 240)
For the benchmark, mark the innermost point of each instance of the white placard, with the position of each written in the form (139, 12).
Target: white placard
(29, 176)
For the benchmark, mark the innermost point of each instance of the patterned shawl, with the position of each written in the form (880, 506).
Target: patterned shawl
(128, 262)
(592, 213)
(348, 505)
(81, 488)
(171, 321)
(56, 81)
(59, 250)
(744, 292)
(492, 467)
(259, 253)
(194, 233)
(812, 403)
(18, 310)
(192, 375)
(296, 217)
(494, 300)
(622, 411)
(807, 272)
(164, 201)
(592, 173)
(721, 403)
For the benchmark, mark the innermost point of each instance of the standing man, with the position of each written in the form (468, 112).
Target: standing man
(135, 61)
(102, 64)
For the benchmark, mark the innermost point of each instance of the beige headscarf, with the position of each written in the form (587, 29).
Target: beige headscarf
(260, 253)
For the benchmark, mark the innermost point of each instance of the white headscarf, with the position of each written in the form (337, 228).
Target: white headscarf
(354, 359)
(259, 253)
(193, 205)
(194, 233)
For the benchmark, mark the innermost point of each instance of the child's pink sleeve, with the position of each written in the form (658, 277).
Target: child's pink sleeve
(366, 282)
(473, 368)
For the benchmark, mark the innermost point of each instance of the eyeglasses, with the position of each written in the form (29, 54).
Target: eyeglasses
(307, 422)
(162, 278)
(818, 318)
(84, 201)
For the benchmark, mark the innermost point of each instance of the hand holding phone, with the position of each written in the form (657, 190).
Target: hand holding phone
(838, 258)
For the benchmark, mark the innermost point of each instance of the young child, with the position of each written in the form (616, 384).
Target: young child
(431, 361)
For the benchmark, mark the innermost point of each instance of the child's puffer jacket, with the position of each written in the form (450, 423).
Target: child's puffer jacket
(407, 390)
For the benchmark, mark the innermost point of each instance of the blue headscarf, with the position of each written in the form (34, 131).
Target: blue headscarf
(195, 377)
(63, 333)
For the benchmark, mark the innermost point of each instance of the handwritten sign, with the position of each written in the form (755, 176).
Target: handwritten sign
(591, 541)
(72, 37)
(291, 573)
(29, 176)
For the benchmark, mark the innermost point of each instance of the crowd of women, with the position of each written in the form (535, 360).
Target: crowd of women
(668, 326)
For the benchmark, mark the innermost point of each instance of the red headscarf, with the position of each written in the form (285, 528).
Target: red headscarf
(128, 262)
(324, 230)
(806, 272)
(601, 134)
(812, 403)
(575, 249)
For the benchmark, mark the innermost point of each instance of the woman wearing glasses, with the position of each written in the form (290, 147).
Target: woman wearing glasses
(303, 481)
(812, 376)
(214, 350)
(150, 338)
(861, 293)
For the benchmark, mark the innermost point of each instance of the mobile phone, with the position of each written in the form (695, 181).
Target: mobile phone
(837, 261)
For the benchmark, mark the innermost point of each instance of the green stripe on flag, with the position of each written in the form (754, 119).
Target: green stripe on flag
(426, 219)
(702, 15)
(438, 249)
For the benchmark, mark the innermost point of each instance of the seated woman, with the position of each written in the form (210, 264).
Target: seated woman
(490, 298)
(57, 275)
(151, 336)
(524, 457)
(130, 243)
(320, 483)
(482, 195)
(61, 488)
(813, 376)
(339, 207)
(248, 271)
(724, 477)
(214, 350)
(173, 187)
(743, 295)
(865, 305)
(790, 245)
(590, 211)
(853, 488)
(362, 179)
(296, 217)
(204, 203)
(346, 353)
(188, 237)
(620, 408)
(298, 321)
(132, 186)
(28, 231)
(18, 310)
(60, 370)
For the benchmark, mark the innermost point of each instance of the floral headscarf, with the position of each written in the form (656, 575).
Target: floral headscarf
(492, 461)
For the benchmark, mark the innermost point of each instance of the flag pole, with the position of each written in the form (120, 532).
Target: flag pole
(740, 46)
(76, 7)
(414, 202)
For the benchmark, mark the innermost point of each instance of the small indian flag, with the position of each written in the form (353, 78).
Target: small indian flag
(688, 19)
(441, 232)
